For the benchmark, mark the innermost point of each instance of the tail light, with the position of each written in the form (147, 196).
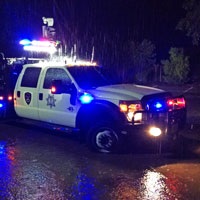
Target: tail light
(176, 103)
(10, 98)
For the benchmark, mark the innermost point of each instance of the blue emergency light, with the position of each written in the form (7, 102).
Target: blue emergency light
(1, 105)
(2, 147)
(86, 98)
(25, 42)
(39, 46)
(158, 105)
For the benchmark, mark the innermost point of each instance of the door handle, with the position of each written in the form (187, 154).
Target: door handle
(18, 94)
(40, 96)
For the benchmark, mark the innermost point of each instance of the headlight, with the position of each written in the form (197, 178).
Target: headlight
(155, 131)
(129, 108)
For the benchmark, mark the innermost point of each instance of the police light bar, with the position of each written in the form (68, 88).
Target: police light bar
(44, 43)
(39, 46)
(25, 42)
(50, 50)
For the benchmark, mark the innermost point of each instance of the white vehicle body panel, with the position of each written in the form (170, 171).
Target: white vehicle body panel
(44, 106)
(129, 92)
(21, 107)
(57, 108)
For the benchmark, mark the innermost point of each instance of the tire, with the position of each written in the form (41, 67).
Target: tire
(103, 137)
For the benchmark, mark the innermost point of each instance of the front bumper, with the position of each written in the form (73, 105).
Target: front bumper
(170, 123)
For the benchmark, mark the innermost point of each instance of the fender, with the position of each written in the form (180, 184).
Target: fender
(98, 110)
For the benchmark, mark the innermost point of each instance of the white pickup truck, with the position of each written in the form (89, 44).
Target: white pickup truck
(79, 97)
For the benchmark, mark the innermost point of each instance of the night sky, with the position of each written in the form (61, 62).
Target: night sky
(98, 23)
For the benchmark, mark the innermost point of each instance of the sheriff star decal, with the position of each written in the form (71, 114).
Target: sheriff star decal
(51, 101)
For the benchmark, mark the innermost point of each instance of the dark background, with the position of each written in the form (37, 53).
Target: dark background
(105, 24)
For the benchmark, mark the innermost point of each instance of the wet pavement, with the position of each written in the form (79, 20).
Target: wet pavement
(43, 165)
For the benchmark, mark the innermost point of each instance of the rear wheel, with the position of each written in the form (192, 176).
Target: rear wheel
(103, 137)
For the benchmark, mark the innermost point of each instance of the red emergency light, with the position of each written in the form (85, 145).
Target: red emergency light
(176, 103)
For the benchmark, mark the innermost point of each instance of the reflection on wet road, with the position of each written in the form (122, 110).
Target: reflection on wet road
(84, 187)
(7, 165)
(155, 185)
(43, 166)
(25, 180)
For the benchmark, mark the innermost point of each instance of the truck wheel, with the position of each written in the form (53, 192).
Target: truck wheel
(103, 138)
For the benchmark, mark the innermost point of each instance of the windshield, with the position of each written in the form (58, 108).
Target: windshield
(88, 77)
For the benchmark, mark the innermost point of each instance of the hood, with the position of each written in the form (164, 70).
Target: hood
(124, 92)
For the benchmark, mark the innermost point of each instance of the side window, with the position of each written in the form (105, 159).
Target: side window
(30, 77)
(55, 74)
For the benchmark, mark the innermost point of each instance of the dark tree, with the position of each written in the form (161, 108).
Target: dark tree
(176, 68)
(191, 22)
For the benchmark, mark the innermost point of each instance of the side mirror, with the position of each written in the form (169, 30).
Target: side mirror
(57, 87)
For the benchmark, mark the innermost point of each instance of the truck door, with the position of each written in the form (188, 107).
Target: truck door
(56, 108)
(26, 93)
